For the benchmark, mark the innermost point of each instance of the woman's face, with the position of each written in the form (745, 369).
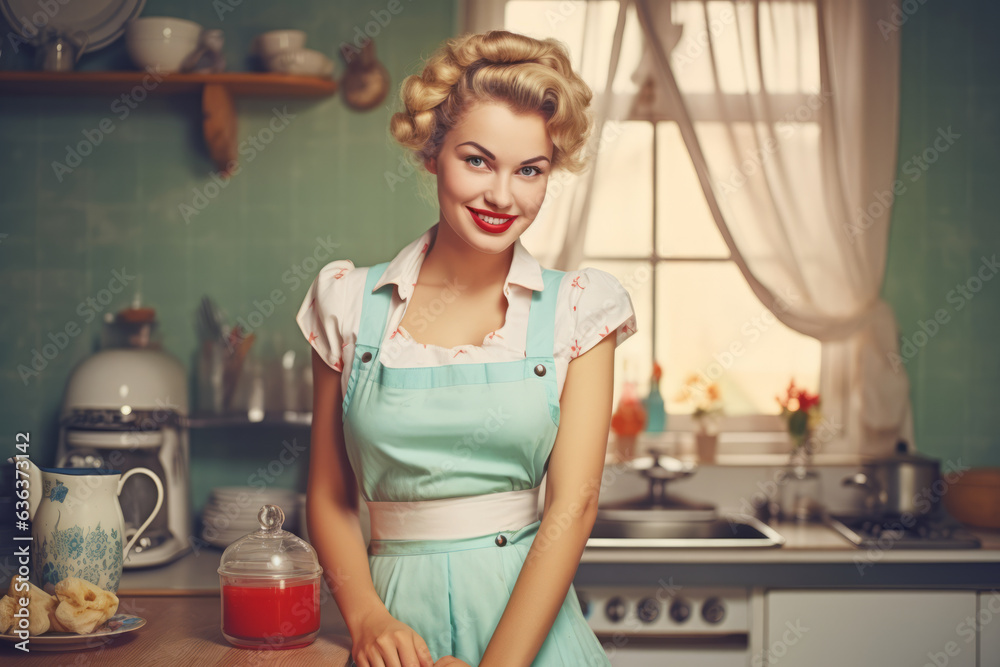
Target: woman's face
(491, 175)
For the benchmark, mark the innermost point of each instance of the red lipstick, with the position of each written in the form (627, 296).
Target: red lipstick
(508, 220)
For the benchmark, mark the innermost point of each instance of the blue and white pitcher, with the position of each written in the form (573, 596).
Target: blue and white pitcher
(77, 523)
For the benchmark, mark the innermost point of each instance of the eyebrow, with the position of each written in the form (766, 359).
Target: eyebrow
(494, 157)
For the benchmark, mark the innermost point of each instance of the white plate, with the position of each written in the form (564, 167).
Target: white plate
(118, 624)
(103, 20)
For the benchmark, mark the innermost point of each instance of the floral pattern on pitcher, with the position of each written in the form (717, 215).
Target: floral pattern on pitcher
(70, 553)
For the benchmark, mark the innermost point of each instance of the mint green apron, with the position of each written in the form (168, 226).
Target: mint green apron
(467, 429)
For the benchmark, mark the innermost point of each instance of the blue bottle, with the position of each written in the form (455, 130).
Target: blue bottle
(656, 414)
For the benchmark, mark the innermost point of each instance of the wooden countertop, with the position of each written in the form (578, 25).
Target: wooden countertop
(186, 630)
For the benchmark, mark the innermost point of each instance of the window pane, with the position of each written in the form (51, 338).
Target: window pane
(789, 47)
(632, 359)
(621, 215)
(566, 20)
(684, 225)
(710, 323)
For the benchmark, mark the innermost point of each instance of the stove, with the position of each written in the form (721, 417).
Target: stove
(905, 532)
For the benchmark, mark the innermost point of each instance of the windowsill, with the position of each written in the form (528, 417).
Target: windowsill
(736, 448)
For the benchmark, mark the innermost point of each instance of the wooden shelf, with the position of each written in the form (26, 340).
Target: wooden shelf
(243, 84)
(216, 90)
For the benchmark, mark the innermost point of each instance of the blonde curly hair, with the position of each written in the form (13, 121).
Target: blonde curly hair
(529, 75)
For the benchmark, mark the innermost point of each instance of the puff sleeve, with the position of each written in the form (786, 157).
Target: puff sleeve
(324, 311)
(599, 306)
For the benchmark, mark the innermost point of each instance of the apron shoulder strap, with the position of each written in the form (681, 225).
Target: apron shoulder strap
(374, 308)
(542, 316)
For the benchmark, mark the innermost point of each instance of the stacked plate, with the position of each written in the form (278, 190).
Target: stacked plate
(231, 512)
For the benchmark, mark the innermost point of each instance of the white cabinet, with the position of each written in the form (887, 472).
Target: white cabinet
(989, 628)
(871, 628)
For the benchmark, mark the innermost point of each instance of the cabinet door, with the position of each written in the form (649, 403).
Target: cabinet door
(989, 628)
(869, 628)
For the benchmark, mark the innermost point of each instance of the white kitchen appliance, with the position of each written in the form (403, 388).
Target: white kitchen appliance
(127, 408)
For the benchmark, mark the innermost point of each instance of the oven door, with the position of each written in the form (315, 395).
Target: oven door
(726, 651)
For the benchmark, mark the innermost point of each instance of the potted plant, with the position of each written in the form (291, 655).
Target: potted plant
(706, 400)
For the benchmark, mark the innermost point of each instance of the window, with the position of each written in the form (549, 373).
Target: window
(649, 223)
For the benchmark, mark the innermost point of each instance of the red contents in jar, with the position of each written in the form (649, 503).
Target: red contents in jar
(271, 614)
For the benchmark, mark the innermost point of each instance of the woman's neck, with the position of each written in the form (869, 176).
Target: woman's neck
(450, 260)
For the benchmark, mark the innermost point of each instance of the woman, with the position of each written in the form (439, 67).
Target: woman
(464, 371)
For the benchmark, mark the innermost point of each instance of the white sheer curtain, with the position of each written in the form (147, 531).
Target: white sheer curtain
(791, 170)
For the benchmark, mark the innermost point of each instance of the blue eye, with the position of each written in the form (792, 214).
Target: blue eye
(473, 157)
(536, 171)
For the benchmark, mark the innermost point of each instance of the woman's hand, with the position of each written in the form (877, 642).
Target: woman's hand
(451, 661)
(384, 641)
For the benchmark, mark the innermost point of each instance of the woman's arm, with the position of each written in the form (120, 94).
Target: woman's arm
(332, 504)
(571, 494)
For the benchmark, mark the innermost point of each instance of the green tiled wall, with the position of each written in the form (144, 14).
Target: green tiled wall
(321, 176)
(945, 224)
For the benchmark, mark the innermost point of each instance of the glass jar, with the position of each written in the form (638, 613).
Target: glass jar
(270, 587)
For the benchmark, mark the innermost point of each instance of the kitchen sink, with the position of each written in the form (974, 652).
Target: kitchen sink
(732, 531)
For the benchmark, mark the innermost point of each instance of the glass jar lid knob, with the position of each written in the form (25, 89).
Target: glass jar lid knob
(270, 518)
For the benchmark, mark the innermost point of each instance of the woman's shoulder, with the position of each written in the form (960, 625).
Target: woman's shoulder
(593, 304)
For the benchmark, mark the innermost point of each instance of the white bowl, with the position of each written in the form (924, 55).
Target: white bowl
(157, 27)
(305, 62)
(160, 43)
(268, 44)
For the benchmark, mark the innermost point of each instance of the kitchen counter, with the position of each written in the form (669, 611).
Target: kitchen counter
(186, 630)
(804, 544)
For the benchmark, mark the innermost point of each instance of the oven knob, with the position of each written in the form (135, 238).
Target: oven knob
(615, 609)
(648, 610)
(713, 611)
(680, 611)
(584, 604)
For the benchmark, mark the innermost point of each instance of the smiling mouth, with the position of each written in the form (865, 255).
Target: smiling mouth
(491, 223)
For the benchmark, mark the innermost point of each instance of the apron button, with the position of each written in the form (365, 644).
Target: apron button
(366, 357)
(540, 370)
(501, 540)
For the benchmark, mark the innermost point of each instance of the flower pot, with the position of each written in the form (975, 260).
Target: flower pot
(706, 445)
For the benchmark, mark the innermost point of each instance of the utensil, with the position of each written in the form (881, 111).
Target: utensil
(59, 51)
(77, 523)
(974, 498)
(119, 624)
(162, 43)
(900, 484)
(271, 43)
(103, 21)
(657, 504)
(208, 56)
(303, 62)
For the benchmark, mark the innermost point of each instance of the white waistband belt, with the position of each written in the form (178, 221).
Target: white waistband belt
(453, 518)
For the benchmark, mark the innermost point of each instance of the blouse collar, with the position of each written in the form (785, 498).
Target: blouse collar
(405, 267)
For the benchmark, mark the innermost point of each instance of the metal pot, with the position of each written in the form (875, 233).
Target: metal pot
(900, 484)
